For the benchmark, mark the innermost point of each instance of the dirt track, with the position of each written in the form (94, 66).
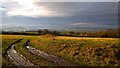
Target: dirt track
(20, 60)
(17, 59)
(52, 58)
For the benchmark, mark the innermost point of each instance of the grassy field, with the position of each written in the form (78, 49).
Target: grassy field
(32, 32)
(88, 51)
(78, 50)
(39, 61)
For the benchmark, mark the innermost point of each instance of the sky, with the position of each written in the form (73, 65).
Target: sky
(32, 14)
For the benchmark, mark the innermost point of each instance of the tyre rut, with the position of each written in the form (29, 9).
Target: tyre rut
(49, 57)
(17, 58)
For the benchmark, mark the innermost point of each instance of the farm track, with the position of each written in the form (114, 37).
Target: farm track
(20, 60)
(16, 58)
(52, 58)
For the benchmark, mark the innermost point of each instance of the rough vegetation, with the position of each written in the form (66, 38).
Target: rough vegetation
(81, 51)
(98, 52)
(101, 55)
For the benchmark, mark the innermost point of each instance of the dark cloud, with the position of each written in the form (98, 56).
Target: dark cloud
(99, 13)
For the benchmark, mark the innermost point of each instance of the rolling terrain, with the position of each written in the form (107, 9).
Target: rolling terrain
(51, 50)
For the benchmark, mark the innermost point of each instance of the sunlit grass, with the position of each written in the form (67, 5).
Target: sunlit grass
(79, 38)
(81, 50)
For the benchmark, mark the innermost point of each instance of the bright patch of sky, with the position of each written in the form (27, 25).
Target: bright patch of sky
(34, 14)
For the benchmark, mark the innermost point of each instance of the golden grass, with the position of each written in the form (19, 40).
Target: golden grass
(16, 36)
(91, 51)
(57, 37)
(80, 38)
(75, 48)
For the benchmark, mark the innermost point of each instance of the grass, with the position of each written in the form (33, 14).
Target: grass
(79, 50)
(20, 47)
(37, 60)
(32, 32)
(6, 42)
(88, 51)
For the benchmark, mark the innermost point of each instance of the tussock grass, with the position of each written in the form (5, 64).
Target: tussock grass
(88, 51)
(79, 50)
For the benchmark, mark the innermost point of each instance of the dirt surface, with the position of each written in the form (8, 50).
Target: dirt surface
(18, 59)
(52, 58)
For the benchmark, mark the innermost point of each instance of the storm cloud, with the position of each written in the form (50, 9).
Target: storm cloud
(67, 15)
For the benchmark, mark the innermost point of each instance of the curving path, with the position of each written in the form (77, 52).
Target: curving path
(18, 59)
(59, 61)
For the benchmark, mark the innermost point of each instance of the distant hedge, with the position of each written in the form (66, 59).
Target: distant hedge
(110, 33)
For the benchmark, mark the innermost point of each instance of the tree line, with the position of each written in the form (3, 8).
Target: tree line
(113, 33)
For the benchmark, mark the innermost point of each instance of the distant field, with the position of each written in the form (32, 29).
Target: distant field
(79, 50)
(79, 38)
(32, 32)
